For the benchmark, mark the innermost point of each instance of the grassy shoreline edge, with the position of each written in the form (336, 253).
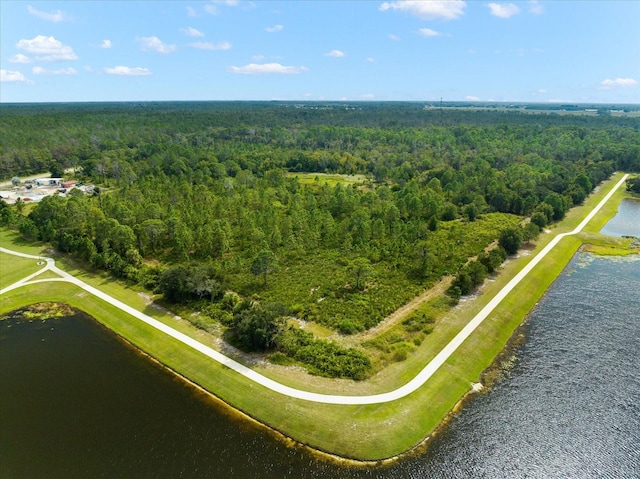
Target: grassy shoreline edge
(392, 428)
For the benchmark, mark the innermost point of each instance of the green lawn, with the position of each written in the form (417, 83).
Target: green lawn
(13, 268)
(369, 432)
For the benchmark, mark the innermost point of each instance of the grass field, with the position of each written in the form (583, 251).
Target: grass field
(14, 269)
(370, 432)
(320, 179)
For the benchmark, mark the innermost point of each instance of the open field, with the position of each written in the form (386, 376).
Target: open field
(389, 428)
(320, 179)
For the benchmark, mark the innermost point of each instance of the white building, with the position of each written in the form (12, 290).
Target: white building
(49, 182)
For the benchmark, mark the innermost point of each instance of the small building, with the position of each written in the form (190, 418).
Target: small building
(69, 184)
(49, 182)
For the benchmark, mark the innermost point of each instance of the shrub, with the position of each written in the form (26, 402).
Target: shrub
(296, 309)
(418, 321)
(203, 322)
(463, 282)
(230, 300)
(182, 282)
(281, 359)
(150, 277)
(400, 354)
(322, 357)
(539, 218)
(455, 293)
(256, 328)
(547, 210)
(493, 259)
(347, 326)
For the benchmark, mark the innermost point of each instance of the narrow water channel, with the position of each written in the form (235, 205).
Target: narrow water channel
(626, 222)
(76, 401)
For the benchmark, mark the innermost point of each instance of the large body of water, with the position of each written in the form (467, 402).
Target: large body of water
(78, 402)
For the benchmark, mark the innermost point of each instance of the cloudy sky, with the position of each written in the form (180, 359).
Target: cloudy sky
(542, 51)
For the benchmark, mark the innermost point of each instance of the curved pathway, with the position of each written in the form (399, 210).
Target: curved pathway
(402, 391)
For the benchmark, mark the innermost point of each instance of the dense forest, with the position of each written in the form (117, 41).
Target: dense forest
(265, 216)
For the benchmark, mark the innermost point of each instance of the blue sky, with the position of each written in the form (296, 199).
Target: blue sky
(530, 51)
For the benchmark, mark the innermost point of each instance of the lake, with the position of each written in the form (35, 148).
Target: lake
(626, 222)
(76, 401)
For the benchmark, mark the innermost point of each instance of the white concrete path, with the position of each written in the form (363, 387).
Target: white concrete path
(402, 391)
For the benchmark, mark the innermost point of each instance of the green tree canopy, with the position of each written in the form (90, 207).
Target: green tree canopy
(256, 328)
(511, 239)
(360, 268)
(264, 263)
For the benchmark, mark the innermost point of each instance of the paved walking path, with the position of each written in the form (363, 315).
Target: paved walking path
(402, 391)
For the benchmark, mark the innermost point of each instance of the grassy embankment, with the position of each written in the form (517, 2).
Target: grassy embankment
(369, 432)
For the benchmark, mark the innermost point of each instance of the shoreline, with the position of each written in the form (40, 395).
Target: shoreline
(425, 439)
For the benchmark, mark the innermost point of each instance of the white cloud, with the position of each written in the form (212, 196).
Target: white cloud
(212, 7)
(106, 44)
(503, 10)
(55, 17)
(618, 82)
(428, 10)
(371, 60)
(211, 46)
(427, 32)
(191, 12)
(368, 96)
(471, 98)
(128, 71)
(393, 37)
(19, 58)
(156, 45)
(335, 54)
(10, 76)
(535, 7)
(47, 49)
(274, 29)
(192, 32)
(61, 71)
(267, 68)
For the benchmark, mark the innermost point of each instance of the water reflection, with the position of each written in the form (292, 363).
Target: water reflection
(76, 401)
(626, 222)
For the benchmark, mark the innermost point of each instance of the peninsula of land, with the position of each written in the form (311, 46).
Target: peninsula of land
(245, 374)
